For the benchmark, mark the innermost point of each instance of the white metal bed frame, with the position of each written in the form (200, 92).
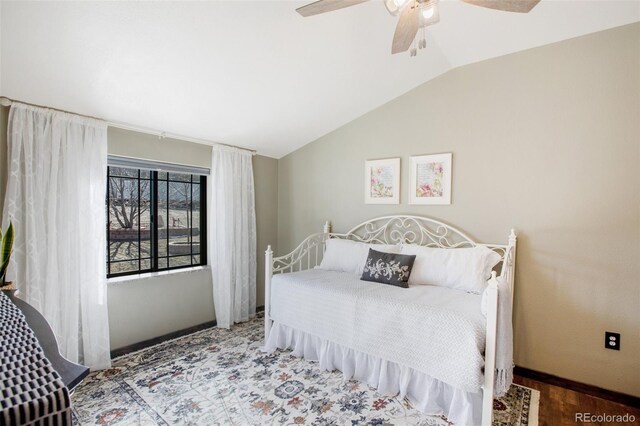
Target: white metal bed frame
(404, 229)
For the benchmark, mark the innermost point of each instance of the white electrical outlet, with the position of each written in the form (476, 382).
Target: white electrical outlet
(612, 340)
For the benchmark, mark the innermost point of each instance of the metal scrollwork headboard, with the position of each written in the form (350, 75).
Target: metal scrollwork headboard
(397, 229)
(418, 230)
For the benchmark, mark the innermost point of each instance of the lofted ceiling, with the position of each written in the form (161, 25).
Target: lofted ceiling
(254, 73)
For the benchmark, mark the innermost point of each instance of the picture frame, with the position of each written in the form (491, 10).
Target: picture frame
(430, 179)
(382, 181)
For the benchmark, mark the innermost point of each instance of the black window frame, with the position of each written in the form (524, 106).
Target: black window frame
(154, 229)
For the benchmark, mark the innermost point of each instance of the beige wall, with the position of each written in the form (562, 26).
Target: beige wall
(141, 309)
(150, 147)
(265, 171)
(545, 141)
(168, 303)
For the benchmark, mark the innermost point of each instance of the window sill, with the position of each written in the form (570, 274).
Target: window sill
(150, 275)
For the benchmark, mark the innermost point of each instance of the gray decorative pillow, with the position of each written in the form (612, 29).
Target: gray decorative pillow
(388, 268)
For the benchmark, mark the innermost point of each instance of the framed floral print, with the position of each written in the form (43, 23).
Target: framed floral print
(430, 180)
(382, 181)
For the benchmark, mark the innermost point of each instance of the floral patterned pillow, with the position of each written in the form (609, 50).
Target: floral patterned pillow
(388, 268)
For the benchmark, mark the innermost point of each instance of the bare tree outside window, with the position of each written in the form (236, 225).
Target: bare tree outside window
(128, 202)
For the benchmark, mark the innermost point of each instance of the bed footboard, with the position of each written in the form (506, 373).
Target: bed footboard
(507, 274)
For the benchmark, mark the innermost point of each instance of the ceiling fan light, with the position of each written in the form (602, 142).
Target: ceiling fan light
(394, 6)
(429, 13)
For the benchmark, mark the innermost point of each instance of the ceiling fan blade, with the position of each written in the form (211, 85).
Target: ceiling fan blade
(520, 6)
(406, 29)
(323, 6)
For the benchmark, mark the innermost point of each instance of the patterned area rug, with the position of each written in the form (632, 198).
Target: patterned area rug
(220, 377)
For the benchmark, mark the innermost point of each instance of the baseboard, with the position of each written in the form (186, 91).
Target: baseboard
(157, 340)
(174, 335)
(618, 397)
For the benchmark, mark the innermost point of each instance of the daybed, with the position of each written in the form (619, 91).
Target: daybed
(437, 345)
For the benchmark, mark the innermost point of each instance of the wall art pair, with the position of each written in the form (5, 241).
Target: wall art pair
(429, 180)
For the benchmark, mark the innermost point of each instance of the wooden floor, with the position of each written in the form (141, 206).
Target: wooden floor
(558, 406)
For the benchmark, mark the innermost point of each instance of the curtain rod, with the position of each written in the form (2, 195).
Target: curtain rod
(5, 101)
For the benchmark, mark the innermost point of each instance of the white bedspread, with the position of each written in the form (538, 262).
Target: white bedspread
(434, 330)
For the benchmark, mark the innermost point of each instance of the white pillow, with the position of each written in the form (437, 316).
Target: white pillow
(350, 256)
(465, 269)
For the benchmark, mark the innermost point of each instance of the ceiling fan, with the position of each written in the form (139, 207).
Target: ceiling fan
(414, 15)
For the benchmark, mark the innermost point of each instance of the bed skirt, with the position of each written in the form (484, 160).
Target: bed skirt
(429, 395)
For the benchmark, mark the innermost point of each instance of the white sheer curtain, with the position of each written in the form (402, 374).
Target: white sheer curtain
(55, 197)
(232, 235)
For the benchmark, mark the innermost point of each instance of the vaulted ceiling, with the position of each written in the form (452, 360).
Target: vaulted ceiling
(254, 73)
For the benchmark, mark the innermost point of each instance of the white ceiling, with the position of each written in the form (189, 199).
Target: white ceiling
(254, 74)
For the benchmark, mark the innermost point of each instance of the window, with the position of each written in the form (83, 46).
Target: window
(156, 220)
